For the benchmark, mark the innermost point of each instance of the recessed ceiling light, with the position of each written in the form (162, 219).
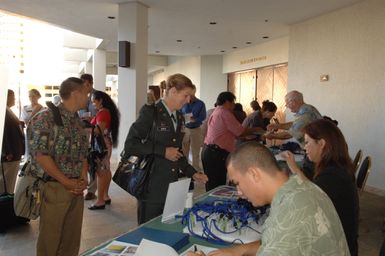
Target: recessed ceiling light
(265, 37)
(213, 23)
(234, 47)
(111, 17)
(248, 42)
(179, 40)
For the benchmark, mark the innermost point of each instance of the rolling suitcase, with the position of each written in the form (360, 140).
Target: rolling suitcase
(7, 213)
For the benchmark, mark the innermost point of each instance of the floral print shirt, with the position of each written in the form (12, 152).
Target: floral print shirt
(302, 221)
(306, 114)
(68, 149)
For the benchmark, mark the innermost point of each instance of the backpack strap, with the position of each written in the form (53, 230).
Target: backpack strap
(58, 122)
(56, 113)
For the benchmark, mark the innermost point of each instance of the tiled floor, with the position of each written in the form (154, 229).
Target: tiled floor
(99, 226)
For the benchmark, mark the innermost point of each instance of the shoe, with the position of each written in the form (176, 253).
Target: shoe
(90, 196)
(97, 207)
(108, 201)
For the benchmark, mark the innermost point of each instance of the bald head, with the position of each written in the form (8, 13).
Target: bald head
(253, 155)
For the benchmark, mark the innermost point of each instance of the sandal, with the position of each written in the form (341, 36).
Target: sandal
(97, 207)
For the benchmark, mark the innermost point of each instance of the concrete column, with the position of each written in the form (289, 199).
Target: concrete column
(132, 81)
(4, 72)
(99, 69)
(88, 67)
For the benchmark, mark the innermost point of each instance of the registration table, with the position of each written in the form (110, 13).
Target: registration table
(173, 227)
(177, 227)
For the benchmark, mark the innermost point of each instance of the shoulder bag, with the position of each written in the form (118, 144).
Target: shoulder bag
(97, 151)
(133, 172)
(98, 145)
(28, 194)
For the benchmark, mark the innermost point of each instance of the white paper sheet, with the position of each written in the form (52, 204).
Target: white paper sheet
(176, 199)
(151, 248)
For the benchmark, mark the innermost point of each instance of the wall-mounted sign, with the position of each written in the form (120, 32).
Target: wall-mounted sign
(251, 60)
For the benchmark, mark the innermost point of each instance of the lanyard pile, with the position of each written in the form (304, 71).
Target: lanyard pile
(225, 216)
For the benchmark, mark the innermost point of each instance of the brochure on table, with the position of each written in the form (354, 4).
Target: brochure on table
(147, 248)
(116, 248)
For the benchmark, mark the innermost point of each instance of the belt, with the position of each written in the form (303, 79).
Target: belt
(217, 148)
(193, 127)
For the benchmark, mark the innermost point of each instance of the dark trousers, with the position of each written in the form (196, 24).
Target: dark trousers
(148, 211)
(214, 165)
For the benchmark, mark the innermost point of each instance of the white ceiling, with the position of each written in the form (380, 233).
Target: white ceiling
(238, 21)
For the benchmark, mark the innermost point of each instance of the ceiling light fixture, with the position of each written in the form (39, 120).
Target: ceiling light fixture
(179, 40)
(265, 37)
(213, 23)
(234, 47)
(111, 17)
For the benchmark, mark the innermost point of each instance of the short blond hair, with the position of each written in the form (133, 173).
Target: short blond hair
(179, 81)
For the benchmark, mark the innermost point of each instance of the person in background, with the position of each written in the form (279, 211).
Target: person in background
(255, 105)
(166, 140)
(29, 111)
(325, 145)
(56, 100)
(107, 119)
(260, 118)
(238, 112)
(194, 113)
(150, 97)
(59, 153)
(302, 219)
(304, 114)
(13, 146)
(204, 123)
(87, 114)
(223, 130)
(88, 81)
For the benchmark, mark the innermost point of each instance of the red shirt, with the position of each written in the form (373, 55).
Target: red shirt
(103, 116)
(223, 128)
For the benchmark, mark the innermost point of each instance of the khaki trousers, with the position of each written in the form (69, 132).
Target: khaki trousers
(10, 172)
(193, 138)
(61, 217)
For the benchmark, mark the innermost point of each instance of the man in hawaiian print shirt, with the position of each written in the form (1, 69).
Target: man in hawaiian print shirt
(303, 114)
(61, 153)
(302, 219)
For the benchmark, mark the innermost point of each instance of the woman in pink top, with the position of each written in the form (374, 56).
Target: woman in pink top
(107, 118)
(223, 129)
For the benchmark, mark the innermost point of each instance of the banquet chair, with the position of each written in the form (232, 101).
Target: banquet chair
(363, 173)
(357, 161)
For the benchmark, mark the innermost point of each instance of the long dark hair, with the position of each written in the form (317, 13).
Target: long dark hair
(335, 152)
(109, 104)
